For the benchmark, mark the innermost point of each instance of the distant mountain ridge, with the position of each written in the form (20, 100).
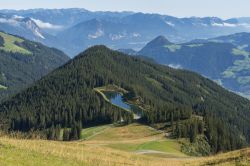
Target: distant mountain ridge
(241, 40)
(224, 59)
(119, 29)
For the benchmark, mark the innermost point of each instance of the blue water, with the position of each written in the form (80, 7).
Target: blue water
(117, 99)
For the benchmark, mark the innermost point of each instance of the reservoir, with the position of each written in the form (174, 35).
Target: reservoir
(117, 99)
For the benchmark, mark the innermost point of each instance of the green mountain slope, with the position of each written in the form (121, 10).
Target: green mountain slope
(223, 62)
(241, 40)
(22, 62)
(66, 98)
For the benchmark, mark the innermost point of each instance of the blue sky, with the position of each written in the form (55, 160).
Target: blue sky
(179, 8)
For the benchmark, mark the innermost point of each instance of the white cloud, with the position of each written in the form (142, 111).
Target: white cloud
(46, 25)
(116, 36)
(97, 34)
(230, 25)
(8, 21)
(175, 66)
(245, 25)
(136, 35)
(202, 24)
(224, 25)
(217, 25)
(170, 23)
(17, 17)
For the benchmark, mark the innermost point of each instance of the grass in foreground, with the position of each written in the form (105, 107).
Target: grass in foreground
(138, 138)
(166, 148)
(73, 153)
(88, 133)
(101, 149)
(12, 155)
(127, 133)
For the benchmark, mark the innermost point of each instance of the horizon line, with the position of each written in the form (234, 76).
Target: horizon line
(123, 11)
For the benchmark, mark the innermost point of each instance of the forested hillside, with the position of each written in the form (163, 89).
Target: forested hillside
(22, 62)
(66, 99)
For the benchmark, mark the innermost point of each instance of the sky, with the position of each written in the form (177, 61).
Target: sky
(178, 8)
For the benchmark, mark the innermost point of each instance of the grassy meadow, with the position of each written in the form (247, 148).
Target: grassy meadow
(2, 87)
(110, 145)
(10, 46)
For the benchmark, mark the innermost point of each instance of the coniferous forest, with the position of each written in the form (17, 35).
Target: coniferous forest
(20, 69)
(65, 99)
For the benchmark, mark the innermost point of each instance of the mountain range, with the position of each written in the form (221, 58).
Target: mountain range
(73, 30)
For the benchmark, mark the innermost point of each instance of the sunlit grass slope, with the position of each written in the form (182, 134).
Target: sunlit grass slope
(109, 145)
(2, 87)
(10, 44)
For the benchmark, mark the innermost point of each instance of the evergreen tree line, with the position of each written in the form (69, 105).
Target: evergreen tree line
(188, 129)
(94, 111)
(166, 113)
(68, 134)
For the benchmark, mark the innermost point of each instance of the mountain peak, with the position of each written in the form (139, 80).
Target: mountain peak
(91, 51)
(98, 48)
(160, 41)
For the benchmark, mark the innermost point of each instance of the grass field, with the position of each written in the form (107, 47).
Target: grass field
(127, 133)
(2, 87)
(110, 146)
(92, 131)
(166, 148)
(12, 155)
(240, 52)
(10, 46)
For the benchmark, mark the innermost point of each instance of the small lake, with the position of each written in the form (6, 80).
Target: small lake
(117, 99)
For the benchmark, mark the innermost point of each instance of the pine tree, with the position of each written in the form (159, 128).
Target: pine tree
(172, 121)
(66, 134)
(193, 132)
